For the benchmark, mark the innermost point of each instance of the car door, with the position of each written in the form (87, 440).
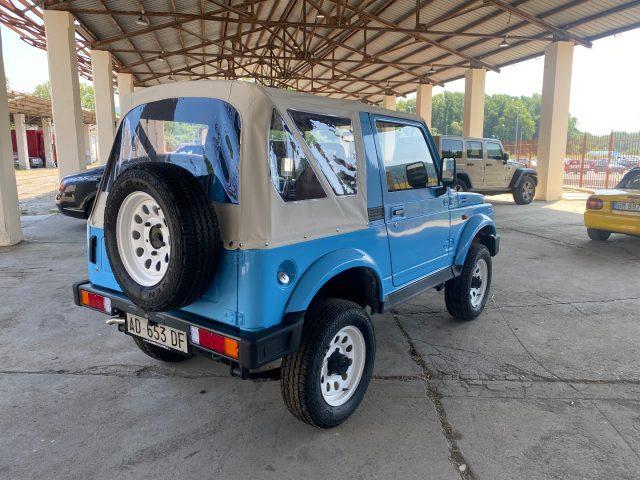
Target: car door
(416, 214)
(494, 165)
(474, 162)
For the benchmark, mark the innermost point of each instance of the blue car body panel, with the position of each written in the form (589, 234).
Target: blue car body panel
(434, 233)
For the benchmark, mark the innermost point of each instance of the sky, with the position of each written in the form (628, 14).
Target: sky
(605, 92)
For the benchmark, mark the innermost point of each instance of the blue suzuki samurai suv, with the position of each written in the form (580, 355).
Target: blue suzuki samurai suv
(262, 228)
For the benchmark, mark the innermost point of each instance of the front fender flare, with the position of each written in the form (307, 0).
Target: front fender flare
(475, 224)
(323, 270)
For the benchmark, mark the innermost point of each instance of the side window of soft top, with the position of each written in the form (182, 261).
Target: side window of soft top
(291, 174)
(332, 144)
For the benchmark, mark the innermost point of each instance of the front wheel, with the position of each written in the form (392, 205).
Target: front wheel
(323, 382)
(466, 295)
(525, 191)
(598, 235)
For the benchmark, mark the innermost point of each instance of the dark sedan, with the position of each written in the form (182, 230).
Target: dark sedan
(77, 192)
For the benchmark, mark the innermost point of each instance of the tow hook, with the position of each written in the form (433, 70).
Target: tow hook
(115, 321)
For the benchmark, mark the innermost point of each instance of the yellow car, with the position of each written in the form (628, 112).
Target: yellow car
(615, 210)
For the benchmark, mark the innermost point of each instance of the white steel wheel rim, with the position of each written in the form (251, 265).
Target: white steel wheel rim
(338, 388)
(479, 278)
(143, 239)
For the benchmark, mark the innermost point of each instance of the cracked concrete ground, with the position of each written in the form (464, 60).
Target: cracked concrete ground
(545, 384)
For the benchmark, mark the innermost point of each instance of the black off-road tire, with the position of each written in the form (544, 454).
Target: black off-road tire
(301, 371)
(195, 237)
(457, 290)
(519, 195)
(459, 185)
(159, 353)
(598, 235)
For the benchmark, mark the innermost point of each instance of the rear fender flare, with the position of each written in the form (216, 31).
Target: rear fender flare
(323, 270)
(474, 225)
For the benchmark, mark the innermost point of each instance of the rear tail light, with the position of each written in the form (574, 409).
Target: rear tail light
(215, 342)
(95, 301)
(594, 203)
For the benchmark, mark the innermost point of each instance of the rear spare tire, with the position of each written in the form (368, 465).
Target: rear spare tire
(161, 235)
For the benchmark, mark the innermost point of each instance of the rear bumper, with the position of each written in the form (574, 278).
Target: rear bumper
(612, 222)
(256, 348)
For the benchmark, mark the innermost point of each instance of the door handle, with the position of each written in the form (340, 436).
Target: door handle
(397, 212)
(470, 164)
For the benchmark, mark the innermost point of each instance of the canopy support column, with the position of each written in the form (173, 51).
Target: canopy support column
(86, 133)
(125, 89)
(21, 141)
(65, 91)
(47, 136)
(389, 102)
(424, 102)
(554, 119)
(102, 70)
(473, 117)
(10, 229)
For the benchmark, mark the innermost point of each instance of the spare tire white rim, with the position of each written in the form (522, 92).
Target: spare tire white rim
(143, 239)
(342, 366)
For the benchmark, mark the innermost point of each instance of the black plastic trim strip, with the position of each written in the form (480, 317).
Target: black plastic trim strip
(406, 293)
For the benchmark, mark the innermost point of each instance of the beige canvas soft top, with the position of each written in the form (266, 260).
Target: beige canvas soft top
(262, 219)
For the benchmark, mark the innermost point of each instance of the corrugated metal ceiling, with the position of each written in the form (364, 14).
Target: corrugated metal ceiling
(345, 48)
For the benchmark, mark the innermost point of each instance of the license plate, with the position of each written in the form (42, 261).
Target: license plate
(156, 333)
(627, 206)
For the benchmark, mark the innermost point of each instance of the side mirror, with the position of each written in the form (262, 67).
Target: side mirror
(505, 156)
(417, 175)
(448, 171)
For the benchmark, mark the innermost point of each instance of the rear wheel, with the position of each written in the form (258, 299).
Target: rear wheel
(525, 191)
(159, 353)
(466, 295)
(324, 381)
(598, 235)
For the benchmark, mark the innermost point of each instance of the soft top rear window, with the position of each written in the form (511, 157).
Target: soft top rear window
(201, 135)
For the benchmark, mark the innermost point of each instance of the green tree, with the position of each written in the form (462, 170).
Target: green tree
(505, 116)
(87, 100)
(446, 114)
(407, 105)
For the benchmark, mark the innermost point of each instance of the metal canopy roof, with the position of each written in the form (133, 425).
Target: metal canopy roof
(343, 48)
(36, 108)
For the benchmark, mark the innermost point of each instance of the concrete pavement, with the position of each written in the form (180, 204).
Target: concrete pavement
(545, 384)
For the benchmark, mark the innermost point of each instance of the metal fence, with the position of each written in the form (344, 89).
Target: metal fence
(592, 161)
